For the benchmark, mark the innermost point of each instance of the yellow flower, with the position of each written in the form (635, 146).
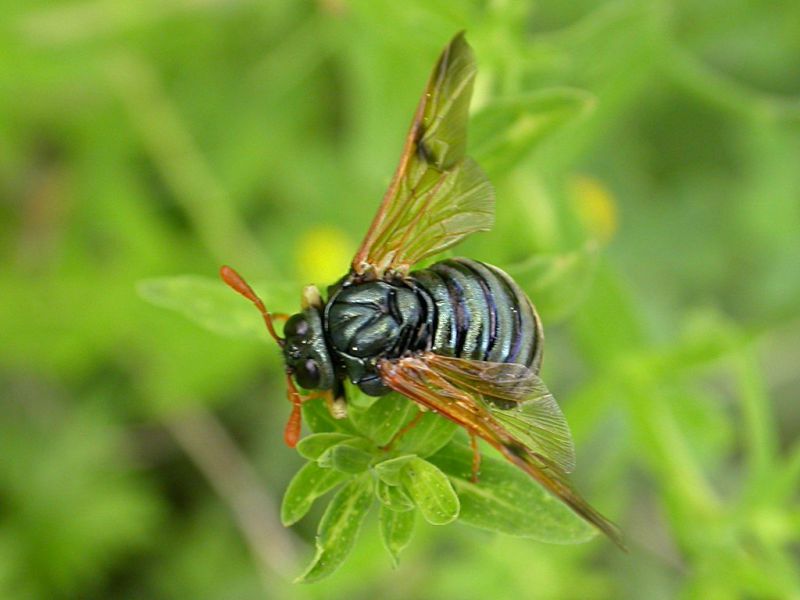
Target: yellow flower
(323, 255)
(595, 206)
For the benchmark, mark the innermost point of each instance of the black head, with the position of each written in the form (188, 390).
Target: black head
(305, 352)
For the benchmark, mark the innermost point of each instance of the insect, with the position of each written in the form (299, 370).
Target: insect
(458, 337)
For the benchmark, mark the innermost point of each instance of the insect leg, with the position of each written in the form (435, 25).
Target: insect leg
(291, 434)
(408, 427)
(335, 401)
(476, 457)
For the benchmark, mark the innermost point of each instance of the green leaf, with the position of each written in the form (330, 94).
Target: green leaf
(308, 484)
(557, 282)
(430, 434)
(396, 530)
(339, 528)
(351, 456)
(314, 445)
(347, 458)
(393, 497)
(507, 130)
(390, 470)
(431, 491)
(506, 500)
(211, 304)
(381, 421)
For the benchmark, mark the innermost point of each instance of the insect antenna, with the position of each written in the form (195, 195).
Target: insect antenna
(239, 285)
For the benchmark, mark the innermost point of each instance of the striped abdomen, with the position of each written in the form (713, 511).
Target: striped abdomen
(481, 313)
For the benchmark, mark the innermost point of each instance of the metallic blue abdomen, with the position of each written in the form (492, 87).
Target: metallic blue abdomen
(482, 314)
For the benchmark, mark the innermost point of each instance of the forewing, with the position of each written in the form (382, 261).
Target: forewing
(518, 399)
(513, 395)
(437, 196)
(414, 378)
(540, 425)
(423, 380)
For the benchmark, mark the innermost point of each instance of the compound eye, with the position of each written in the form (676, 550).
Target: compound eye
(296, 326)
(308, 375)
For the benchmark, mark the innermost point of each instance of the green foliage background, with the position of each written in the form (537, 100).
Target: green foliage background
(648, 197)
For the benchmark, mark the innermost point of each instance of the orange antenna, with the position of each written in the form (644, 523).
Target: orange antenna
(239, 285)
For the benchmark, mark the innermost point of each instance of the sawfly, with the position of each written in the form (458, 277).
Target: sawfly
(458, 337)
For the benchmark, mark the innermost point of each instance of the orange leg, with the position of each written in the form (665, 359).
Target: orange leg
(291, 434)
(476, 457)
(336, 409)
(408, 427)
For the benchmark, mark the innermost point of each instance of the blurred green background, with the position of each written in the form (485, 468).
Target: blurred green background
(142, 454)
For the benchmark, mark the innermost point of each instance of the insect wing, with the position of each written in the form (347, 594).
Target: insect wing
(518, 399)
(417, 378)
(473, 389)
(437, 195)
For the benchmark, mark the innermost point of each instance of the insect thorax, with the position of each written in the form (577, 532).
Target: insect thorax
(366, 322)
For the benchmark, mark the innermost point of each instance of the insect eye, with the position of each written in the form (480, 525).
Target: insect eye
(308, 375)
(296, 326)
